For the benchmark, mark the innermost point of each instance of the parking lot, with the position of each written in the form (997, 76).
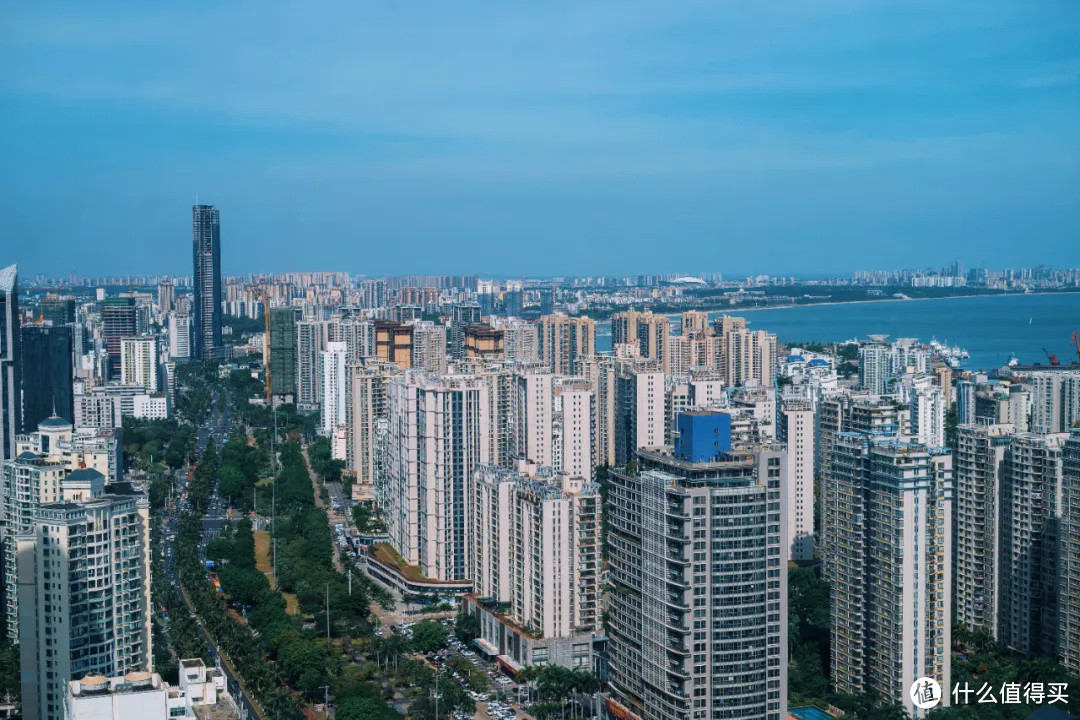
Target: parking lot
(499, 701)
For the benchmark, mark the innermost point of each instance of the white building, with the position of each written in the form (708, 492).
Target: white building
(438, 435)
(429, 347)
(145, 696)
(521, 339)
(533, 411)
(179, 335)
(93, 410)
(796, 428)
(928, 417)
(151, 407)
(1055, 401)
(87, 448)
(139, 363)
(891, 577)
(538, 552)
(83, 595)
(97, 411)
(639, 411)
(573, 418)
(332, 363)
(135, 696)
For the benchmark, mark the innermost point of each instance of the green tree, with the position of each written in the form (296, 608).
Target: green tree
(366, 708)
(467, 627)
(429, 636)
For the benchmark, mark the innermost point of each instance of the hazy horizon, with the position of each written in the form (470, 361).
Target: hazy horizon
(568, 139)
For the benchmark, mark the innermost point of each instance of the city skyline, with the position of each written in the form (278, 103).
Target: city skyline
(563, 139)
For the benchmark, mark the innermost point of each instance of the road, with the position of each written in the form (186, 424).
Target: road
(217, 426)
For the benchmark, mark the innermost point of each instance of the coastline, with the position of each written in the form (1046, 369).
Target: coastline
(791, 306)
(737, 311)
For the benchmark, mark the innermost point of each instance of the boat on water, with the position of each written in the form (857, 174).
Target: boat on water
(951, 355)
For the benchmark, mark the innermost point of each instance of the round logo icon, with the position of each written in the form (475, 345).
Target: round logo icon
(925, 693)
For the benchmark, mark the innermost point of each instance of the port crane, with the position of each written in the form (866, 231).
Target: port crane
(1076, 343)
(1052, 357)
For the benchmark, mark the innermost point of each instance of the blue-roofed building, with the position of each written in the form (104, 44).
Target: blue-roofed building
(702, 435)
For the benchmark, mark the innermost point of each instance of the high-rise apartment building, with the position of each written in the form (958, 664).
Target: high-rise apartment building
(697, 620)
(564, 341)
(1028, 570)
(653, 333)
(624, 327)
(1069, 589)
(840, 413)
(117, 323)
(572, 428)
(359, 338)
(600, 372)
(891, 581)
(84, 595)
(334, 383)
(394, 343)
(695, 322)
(796, 432)
(537, 550)
(365, 408)
(139, 362)
(521, 339)
(749, 357)
(533, 410)
(30, 481)
(928, 416)
(179, 335)
(978, 467)
(639, 408)
(282, 346)
(438, 436)
(373, 293)
(483, 342)
(874, 369)
(1055, 400)
(429, 347)
(512, 303)
(206, 308)
(166, 297)
(500, 381)
(462, 315)
(46, 374)
(311, 339)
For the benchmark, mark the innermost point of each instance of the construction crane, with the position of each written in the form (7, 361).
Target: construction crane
(1053, 358)
(1076, 343)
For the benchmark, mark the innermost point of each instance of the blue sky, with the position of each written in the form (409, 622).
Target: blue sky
(542, 138)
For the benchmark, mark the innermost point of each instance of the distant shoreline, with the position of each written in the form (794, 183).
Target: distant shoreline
(792, 306)
(736, 311)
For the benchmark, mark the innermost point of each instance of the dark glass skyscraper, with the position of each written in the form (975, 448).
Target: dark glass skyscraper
(46, 374)
(117, 323)
(283, 350)
(58, 311)
(10, 342)
(206, 310)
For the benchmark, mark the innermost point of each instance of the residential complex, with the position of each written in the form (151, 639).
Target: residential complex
(891, 572)
(698, 600)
